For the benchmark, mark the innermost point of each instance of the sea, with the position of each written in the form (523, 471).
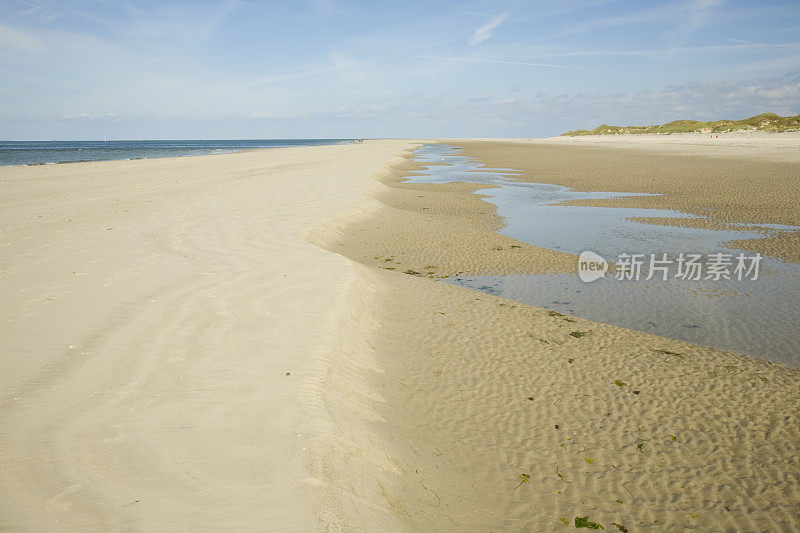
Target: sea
(54, 152)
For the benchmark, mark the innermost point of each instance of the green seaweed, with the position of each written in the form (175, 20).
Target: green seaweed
(583, 521)
(667, 352)
(578, 334)
(620, 527)
(620, 383)
(554, 313)
(413, 272)
(523, 478)
(564, 521)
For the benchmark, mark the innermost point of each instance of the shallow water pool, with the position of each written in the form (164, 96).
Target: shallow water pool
(757, 317)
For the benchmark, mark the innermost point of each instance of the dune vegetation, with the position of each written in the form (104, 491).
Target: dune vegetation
(762, 122)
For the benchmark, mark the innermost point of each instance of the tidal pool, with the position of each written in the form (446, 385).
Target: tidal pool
(757, 317)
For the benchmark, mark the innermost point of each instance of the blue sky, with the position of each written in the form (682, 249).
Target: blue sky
(339, 68)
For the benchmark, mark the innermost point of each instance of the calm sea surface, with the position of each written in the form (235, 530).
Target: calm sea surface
(47, 152)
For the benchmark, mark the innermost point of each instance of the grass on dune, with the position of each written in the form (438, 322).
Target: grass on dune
(762, 122)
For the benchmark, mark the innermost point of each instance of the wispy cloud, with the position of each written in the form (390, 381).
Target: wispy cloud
(739, 46)
(324, 7)
(751, 44)
(686, 17)
(485, 31)
(478, 13)
(90, 117)
(169, 22)
(508, 62)
(696, 14)
(43, 12)
(729, 99)
(19, 40)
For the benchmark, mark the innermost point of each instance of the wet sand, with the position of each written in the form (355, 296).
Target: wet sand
(734, 178)
(497, 415)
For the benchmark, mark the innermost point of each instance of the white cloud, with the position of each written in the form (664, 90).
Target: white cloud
(485, 31)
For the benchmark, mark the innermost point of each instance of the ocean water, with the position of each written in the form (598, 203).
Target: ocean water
(50, 152)
(758, 317)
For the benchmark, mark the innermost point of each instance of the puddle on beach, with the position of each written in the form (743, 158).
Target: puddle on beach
(760, 318)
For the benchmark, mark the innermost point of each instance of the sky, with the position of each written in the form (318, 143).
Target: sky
(237, 69)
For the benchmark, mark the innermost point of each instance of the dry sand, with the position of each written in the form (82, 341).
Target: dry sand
(750, 178)
(153, 308)
(150, 313)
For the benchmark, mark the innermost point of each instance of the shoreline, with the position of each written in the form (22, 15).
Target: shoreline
(211, 152)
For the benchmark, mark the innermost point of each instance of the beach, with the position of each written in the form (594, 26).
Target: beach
(167, 332)
(263, 340)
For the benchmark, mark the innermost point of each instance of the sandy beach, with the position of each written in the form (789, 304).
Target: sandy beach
(262, 340)
(167, 332)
